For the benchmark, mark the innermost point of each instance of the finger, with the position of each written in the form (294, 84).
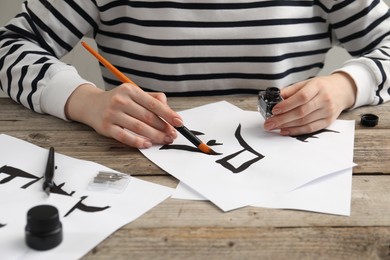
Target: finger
(298, 116)
(300, 98)
(305, 129)
(292, 89)
(316, 115)
(145, 130)
(310, 111)
(123, 102)
(157, 107)
(139, 112)
(126, 137)
(159, 96)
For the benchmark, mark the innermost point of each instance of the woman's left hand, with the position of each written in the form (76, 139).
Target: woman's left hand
(312, 105)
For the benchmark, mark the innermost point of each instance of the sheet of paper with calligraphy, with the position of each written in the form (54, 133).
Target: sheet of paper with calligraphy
(253, 164)
(87, 216)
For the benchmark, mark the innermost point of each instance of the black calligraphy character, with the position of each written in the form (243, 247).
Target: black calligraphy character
(189, 148)
(304, 137)
(81, 206)
(58, 190)
(2, 225)
(224, 161)
(15, 172)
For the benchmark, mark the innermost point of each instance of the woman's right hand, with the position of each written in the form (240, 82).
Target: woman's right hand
(126, 113)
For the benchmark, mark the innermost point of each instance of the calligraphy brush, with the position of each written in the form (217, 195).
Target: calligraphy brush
(122, 77)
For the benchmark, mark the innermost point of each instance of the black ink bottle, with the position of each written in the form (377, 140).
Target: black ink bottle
(267, 99)
(44, 229)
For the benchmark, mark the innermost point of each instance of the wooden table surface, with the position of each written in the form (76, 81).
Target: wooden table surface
(180, 229)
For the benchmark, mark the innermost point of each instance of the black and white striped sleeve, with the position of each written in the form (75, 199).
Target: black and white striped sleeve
(365, 33)
(31, 45)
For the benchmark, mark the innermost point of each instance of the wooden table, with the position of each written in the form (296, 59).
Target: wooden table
(180, 229)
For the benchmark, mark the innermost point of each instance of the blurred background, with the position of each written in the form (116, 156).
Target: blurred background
(88, 66)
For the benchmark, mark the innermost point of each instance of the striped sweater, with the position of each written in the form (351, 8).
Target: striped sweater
(193, 47)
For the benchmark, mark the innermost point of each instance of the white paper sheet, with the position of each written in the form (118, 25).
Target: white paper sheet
(330, 194)
(288, 163)
(82, 230)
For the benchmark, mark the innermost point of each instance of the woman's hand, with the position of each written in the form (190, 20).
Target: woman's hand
(126, 113)
(312, 105)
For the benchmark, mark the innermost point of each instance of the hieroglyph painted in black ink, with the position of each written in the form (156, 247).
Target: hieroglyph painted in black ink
(15, 172)
(246, 148)
(18, 173)
(81, 206)
(224, 161)
(189, 148)
(58, 190)
(304, 137)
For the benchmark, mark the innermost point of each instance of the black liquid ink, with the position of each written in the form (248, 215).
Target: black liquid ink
(304, 137)
(81, 206)
(225, 161)
(58, 190)
(17, 173)
(188, 148)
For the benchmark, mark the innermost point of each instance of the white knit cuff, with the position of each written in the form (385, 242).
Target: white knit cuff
(59, 88)
(364, 81)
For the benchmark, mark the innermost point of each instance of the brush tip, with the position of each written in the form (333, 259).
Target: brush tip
(206, 149)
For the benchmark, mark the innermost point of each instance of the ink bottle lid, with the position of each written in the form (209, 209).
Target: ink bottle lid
(369, 120)
(44, 229)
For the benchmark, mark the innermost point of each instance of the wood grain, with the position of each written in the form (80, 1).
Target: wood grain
(371, 150)
(181, 229)
(246, 243)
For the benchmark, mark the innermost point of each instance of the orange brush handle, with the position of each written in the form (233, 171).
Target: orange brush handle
(108, 65)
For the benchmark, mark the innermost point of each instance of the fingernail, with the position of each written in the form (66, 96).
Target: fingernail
(177, 121)
(276, 111)
(147, 144)
(174, 134)
(284, 132)
(269, 125)
(168, 139)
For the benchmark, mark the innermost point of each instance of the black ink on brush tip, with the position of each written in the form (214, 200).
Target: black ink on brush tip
(191, 135)
(194, 140)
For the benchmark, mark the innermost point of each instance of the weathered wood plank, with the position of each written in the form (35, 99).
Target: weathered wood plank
(88, 145)
(371, 152)
(246, 243)
(15, 117)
